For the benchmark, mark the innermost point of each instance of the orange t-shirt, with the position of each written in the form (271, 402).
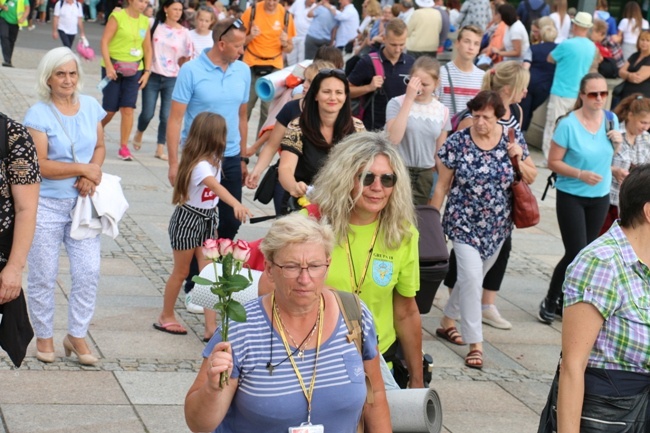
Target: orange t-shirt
(267, 43)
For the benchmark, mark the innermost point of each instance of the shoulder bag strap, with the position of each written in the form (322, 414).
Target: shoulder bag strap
(451, 89)
(350, 306)
(65, 131)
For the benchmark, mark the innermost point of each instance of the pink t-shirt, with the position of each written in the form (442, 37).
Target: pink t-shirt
(170, 44)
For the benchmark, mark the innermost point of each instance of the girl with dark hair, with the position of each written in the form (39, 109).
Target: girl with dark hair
(634, 113)
(172, 46)
(515, 40)
(197, 192)
(325, 120)
(582, 148)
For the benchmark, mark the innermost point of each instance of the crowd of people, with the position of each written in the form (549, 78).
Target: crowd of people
(378, 127)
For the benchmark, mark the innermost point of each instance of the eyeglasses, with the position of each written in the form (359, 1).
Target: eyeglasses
(237, 24)
(594, 95)
(387, 180)
(338, 73)
(294, 271)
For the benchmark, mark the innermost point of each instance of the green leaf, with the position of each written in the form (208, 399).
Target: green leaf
(236, 282)
(236, 311)
(202, 281)
(219, 291)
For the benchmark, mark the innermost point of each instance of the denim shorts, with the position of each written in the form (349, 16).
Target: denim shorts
(122, 92)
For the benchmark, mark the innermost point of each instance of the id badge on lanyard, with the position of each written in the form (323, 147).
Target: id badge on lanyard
(308, 428)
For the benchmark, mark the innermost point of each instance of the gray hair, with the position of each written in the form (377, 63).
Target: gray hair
(50, 61)
(407, 4)
(296, 228)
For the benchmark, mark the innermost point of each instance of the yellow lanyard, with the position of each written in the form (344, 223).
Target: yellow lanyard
(307, 392)
(353, 274)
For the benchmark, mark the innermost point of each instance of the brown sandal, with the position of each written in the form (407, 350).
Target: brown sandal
(476, 357)
(450, 334)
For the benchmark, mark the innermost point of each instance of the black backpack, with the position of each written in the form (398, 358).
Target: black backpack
(532, 14)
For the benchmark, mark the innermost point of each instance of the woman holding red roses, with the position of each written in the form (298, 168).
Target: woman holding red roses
(196, 194)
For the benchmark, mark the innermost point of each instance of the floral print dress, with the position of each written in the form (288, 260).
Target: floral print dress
(479, 202)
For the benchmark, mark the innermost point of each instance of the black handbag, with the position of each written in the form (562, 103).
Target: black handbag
(600, 413)
(618, 90)
(266, 188)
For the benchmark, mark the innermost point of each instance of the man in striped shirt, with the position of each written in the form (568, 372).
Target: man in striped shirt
(461, 73)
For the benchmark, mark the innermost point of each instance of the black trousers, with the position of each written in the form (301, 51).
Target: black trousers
(66, 39)
(614, 383)
(580, 220)
(8, 36)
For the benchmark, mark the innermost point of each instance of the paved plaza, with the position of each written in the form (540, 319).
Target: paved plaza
(140, 384)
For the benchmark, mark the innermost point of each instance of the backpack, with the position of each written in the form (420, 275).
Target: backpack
(550, 180)
(252, 21)
(360, 105)
(532, 14)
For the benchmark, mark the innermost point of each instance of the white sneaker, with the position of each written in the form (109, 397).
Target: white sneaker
(190, 307)
(492, 317)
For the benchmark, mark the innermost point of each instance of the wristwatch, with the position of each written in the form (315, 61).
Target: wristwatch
(245, 159)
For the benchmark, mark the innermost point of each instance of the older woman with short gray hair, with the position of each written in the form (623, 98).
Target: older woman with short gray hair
(69, 139)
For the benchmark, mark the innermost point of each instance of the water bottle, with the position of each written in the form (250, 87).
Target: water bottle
(103, 83)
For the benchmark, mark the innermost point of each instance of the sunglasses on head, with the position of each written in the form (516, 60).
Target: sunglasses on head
(387, 180)
(595, 95)
(338, 73)
(237, 24)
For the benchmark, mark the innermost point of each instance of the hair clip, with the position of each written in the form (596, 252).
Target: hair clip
(493, 71)
(639, 97)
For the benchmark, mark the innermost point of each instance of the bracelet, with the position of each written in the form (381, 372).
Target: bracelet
(579, 174)
(147, 70)
(245, 159)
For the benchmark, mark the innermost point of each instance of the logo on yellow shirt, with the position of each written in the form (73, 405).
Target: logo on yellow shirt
(382, 272)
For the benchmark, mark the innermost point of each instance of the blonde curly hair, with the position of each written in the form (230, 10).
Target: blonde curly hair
(334, 183)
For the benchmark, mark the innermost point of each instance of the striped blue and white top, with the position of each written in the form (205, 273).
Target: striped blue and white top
(273, 403)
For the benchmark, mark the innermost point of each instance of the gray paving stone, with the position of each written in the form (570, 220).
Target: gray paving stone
(147, 343)
(490, 422)
(144, 388)
(61, 387)
(532, 394)
(163, 419)
(65, 418)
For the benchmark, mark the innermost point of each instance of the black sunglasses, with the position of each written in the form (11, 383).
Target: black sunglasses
(594, 95)
(338, 73)
(237, 24)
(387, 180)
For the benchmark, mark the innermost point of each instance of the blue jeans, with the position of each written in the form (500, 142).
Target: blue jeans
(157, 84)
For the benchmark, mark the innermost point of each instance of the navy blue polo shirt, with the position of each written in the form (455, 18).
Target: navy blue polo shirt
(394, 85)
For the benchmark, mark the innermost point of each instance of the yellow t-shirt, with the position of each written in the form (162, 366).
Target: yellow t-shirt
(267, 44)
(129, 38)
(388, 270)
